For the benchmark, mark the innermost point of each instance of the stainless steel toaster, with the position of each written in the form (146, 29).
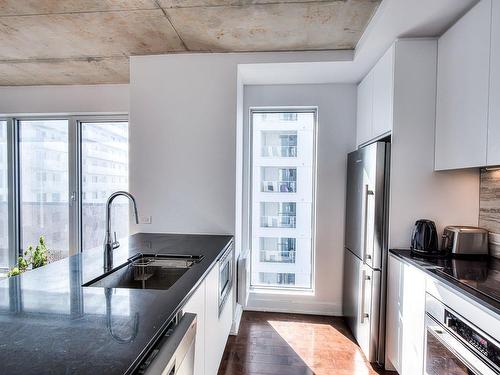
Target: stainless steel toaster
(464, 240)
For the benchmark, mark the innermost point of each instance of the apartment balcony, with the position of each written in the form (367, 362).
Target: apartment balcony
(279, 151)
(278, 221)
(279, 186)
(277, 256)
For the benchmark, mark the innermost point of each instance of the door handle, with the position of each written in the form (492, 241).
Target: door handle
(363, 314)
(367, 192)
(72, 198)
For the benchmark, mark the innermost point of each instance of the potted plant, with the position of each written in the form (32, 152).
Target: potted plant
(32, 258)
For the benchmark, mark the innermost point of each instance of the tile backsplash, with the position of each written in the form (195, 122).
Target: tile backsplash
(489, 207)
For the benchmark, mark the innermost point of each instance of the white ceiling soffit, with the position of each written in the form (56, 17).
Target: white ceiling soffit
(394, 19)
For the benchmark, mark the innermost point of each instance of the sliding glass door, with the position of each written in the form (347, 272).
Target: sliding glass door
(44, 184)
(4, 198)
(55, 177)
(104, 171)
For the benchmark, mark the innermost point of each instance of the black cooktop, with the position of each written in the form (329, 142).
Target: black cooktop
(482, 275)
(479, 278)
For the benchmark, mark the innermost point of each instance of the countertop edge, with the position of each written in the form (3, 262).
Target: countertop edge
(464, 290)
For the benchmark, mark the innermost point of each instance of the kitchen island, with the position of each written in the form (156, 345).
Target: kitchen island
(50, 323)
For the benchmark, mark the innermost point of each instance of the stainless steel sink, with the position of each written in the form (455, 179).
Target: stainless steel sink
(147, 271)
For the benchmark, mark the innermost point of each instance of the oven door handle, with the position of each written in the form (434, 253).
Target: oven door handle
(459, 349)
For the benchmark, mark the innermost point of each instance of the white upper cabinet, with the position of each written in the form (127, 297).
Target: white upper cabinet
(375, 99)
(383, 93)
(493, 157)
(463, 81)
(365, 110)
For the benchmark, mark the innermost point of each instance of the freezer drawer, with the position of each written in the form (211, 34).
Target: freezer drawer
(361, 303)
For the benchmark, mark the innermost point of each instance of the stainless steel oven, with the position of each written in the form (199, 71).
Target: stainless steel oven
(226, 266)
(455, 346)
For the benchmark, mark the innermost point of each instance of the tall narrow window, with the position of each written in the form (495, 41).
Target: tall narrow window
(104, 171)
(44, 184)
(283, 150)
(4, 194)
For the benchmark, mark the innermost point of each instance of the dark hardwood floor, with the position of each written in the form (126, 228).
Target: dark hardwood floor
(292, 344)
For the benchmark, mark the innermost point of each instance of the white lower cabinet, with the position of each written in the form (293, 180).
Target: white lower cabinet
(217, 326)
(213, 328)
(196, 305)
(405, 318)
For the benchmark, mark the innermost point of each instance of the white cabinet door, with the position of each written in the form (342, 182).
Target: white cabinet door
(216, 327)
(462, 91)
(413, 327)
(365, 110)
(196, 305)
(394, 315)
(494, 116)
(383, 90)
(405, 318)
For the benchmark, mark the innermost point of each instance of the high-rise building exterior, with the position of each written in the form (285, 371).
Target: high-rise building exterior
(282, 199)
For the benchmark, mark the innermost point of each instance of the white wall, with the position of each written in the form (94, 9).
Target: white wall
(64, 99)
(183, 124)
(336, 137)
(417, 192)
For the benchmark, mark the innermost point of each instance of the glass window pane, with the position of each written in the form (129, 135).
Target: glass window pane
(278, 180)
(282, 199)
(4, 194)
(104, 171)
(44, 185)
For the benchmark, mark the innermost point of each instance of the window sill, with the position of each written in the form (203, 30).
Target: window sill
(282, 291)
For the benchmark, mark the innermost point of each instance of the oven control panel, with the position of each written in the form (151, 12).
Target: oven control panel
(487, 347)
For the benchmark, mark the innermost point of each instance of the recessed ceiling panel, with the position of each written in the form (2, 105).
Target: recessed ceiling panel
(273, 27)
(87, 34)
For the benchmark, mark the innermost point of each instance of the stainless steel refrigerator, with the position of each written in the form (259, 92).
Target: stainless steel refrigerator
(365, 253)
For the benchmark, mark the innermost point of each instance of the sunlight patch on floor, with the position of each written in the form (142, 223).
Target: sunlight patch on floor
(324, 349)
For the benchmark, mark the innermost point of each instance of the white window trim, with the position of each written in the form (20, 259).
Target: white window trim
(247, 198)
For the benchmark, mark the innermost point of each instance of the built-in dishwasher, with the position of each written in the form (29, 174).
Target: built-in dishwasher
(174, 352)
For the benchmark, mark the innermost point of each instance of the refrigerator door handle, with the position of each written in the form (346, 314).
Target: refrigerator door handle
(363, 314)
(367, 193)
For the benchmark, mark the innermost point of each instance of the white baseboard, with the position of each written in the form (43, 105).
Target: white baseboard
(238, 312)
(295, 307)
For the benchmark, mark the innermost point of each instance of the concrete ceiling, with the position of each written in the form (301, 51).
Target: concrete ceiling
(89, 41)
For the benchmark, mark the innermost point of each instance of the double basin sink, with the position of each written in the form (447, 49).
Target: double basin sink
(147, 271)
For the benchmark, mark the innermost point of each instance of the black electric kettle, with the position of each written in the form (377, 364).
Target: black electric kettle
(424, 239)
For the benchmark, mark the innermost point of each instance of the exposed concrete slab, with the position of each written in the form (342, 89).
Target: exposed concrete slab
(87, 34)
(24, 7)
(49, 41)
(64, 72)
(215, 3)
(273, 27)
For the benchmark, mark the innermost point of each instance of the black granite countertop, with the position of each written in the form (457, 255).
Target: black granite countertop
(435, 266)
(50, 324)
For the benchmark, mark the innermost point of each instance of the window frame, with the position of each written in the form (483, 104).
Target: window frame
(75, 200)
(249, 202)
